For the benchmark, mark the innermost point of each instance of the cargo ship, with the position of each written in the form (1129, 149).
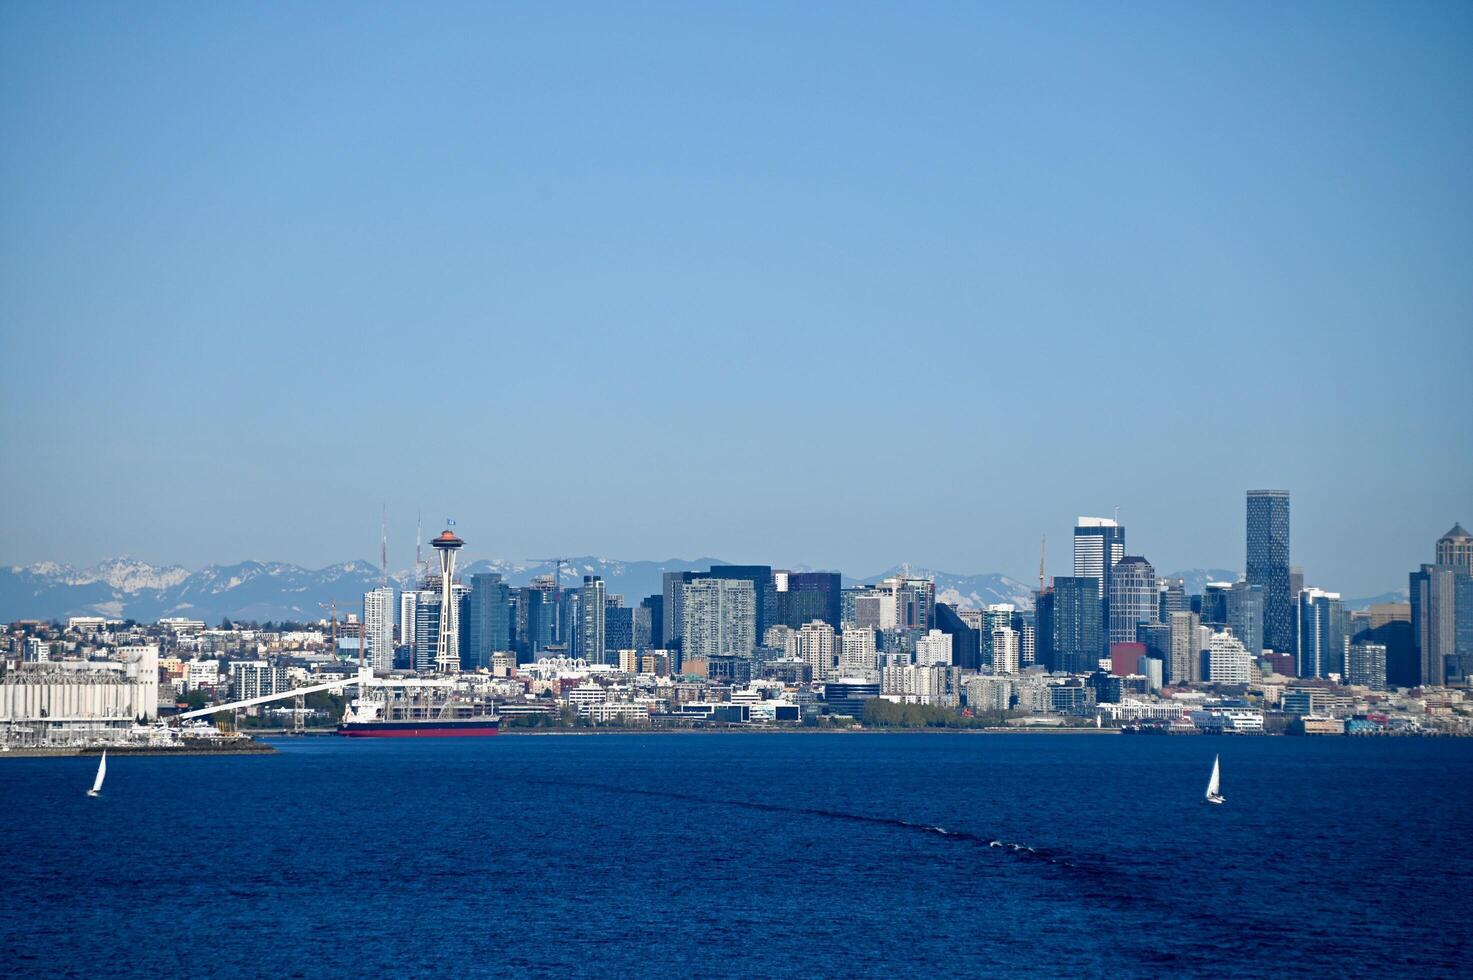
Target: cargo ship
(450, 717)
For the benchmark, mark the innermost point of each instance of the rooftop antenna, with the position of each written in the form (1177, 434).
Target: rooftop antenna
(1117, 513)
(1042, 547)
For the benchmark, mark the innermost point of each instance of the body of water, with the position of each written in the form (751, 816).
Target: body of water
(759, 855)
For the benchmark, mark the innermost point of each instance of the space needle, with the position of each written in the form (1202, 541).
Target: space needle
(447, 656)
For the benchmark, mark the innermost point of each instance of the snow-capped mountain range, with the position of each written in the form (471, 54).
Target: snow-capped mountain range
(126, 588)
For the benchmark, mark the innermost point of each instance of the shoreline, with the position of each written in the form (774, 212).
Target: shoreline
(93, 751)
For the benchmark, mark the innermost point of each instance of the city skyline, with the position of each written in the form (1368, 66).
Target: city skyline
(696, 271)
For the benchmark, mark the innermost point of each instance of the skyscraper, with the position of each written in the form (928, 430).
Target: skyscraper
(1214, 611)
(1044, 622)
(805, 596)
(1133, 598)
(487, 628)
(1171, 597)
(720, 618)
(378, 626)
(1099, 544)
(1268, 564)
(857, 656)
(618, 628)
(1006, 658)
(966, 647)
(655, 606)
(1078, 633)
(1367, 665)
(592, 603)
(915, 602)
(1456, 548)
(1245, 615)
(673, 626)
(818, 646)
(426, 631)
(533, 622)
(408, 600)
(1442, 623)
(763, 587)
(1320, 648)
(1184, 665)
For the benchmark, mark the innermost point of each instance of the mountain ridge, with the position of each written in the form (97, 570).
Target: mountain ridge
(129, 588)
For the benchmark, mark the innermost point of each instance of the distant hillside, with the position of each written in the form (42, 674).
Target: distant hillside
(125, 588)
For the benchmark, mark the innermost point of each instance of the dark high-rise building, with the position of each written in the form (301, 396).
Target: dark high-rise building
(1043, 618)
(966, 643)
(426, 631)
(1389, 624)
(1442, 623)
(1171, 596)
(570, 622)
(654, 637)
(1214, 609)
(593, 619)
(1156, 639)
(1245, 616)
(533, 621)
(803, 597)
(618, 629)
(1268, 564)
(1133, 598)
(486, 621)
(1079, 635)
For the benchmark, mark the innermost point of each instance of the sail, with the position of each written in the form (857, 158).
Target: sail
(101, 772)
(1212, 784)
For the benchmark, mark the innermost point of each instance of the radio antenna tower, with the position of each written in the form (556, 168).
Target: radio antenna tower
(419, 565)
(1042, 548)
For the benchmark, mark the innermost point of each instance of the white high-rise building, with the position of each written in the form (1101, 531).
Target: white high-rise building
(933, 649)
(720, 618)
(819, 648)
(857, 657)
(408, 603)
(1228, 660)
(1099, 544)
(1006, 658)
(378, 628)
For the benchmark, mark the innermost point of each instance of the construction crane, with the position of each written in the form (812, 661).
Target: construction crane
(332, 605)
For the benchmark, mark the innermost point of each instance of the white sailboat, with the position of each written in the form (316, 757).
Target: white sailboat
(1214, 784)
(96, 789)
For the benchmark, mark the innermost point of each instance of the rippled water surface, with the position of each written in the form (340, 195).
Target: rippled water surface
(829, 855)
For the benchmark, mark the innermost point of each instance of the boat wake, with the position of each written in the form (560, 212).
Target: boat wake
(1010, 847)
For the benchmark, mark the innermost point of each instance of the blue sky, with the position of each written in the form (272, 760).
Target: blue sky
(840, 285)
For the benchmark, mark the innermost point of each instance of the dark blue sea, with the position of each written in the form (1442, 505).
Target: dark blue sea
(751, 855)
